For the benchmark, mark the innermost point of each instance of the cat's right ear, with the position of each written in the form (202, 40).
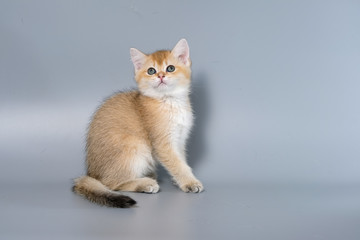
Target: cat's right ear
(138, 58)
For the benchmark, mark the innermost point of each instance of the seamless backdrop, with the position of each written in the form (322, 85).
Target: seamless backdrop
(275, 86)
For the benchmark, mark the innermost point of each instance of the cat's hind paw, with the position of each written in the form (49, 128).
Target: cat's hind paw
(152, 188)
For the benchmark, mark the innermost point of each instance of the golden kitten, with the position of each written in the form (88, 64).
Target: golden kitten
(132, 130)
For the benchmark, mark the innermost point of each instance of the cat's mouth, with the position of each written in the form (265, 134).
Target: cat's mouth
(162, 83)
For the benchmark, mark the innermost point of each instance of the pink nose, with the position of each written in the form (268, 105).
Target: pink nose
(161, 77)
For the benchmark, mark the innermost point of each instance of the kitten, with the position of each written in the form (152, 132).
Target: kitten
(132, 130)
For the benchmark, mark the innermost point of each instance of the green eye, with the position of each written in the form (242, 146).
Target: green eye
(170, 68)
(151, 71)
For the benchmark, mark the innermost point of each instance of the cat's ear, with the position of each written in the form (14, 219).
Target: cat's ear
(182, 52)
(138, 58)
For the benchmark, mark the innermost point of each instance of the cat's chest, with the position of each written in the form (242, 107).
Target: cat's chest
(178, 114)
(179, 120)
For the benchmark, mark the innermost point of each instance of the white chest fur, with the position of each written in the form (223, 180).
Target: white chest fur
(180, 123)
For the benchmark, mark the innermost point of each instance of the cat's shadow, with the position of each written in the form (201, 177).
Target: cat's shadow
(196, 146)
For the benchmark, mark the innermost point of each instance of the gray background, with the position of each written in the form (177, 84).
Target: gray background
(277, 134)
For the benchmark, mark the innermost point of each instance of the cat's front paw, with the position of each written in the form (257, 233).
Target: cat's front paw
(193, 187)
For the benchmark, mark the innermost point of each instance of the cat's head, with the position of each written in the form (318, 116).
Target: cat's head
(163, 73)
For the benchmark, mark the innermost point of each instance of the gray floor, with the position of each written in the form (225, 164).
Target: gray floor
(223, 211)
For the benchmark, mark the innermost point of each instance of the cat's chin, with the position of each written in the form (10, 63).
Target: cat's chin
(162, 87)
(165, 90)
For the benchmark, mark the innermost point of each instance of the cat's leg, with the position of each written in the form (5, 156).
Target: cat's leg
(175, 162)
(145, 184)
(132, 169)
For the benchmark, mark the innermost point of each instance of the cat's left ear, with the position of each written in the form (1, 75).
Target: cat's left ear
(182, 52)
(138, 58)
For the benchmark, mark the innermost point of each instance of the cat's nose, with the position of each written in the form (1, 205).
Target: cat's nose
(161, 76)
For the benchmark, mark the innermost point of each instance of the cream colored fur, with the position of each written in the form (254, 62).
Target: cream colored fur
(132, 131)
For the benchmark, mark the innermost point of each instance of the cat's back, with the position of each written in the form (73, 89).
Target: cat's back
(117, 112)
